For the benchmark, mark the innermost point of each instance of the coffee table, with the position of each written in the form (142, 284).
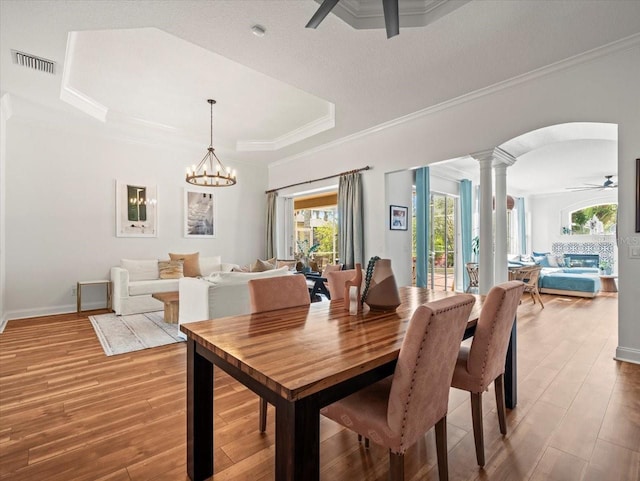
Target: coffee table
(171, 305)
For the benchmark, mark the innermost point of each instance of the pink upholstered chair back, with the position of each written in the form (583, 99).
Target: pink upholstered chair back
(420, 389)
(491, 339)
(331, 268)
(336, 280)
(280, 292)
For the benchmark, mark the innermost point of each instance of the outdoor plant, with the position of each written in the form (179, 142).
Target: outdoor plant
(475, 246)
(304, 250)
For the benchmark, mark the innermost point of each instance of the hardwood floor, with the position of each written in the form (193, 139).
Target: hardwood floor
(68, 412)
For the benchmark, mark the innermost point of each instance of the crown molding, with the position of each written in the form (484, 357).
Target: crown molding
(617, 46)
(363, 15)
(314, 127)
(74, 97)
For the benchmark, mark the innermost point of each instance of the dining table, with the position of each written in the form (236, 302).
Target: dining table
(301, 359)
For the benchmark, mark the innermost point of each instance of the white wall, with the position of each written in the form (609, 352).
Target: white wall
(588, 89)
(398, 190)
(550, 212)
(5, 113)
(60, 209)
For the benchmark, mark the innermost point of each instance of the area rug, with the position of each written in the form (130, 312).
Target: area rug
(120, 334)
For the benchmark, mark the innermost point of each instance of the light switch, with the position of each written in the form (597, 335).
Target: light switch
(634, 252)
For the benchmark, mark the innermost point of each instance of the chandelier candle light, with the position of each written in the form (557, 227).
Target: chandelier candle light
(210, 172)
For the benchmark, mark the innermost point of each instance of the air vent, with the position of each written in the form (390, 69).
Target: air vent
(31, 61)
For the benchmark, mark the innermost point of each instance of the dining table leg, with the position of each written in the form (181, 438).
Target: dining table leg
(511, 370)
(199, 415)
(298, 440)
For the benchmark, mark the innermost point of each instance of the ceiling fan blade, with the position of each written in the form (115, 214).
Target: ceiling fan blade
(391, 17)
(322, 12)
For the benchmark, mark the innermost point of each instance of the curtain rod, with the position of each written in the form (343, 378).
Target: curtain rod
(318, 180)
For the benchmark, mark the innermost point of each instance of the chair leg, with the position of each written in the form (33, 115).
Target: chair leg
(539, 298)
(478, 434)
(366, 441)
(263, 415)
(441, 449)
(502, 414)
(396, 466)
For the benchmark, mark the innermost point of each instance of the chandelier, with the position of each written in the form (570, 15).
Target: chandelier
(210, 172)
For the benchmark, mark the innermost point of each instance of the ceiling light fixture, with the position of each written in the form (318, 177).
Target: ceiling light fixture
(210, 172)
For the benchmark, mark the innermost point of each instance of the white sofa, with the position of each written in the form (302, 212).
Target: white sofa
(134, 281)
(220, 295)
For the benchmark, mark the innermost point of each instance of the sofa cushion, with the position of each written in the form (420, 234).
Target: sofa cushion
(141, 270)
(139, 288)
(170, 269)
(291, 264)
(260, 266)
(191, 266)
(209, 265)
(229, 291)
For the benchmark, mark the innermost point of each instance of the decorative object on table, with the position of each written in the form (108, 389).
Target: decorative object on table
(352, 291)
(199, 213)
(380, 290)
(210, 172)
(136, 210)
(606, 267)
(304, 253)
(120, 334)
(398, 217)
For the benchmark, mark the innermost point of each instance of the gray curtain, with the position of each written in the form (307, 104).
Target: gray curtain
(350, 220)
(271, 224)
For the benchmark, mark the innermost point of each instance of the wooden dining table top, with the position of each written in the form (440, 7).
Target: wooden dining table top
(300, 351)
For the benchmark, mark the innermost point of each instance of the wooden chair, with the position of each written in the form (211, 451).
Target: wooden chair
(472, 271)
(398, 411)
(272, 293)
(529, 276)
(484, 361)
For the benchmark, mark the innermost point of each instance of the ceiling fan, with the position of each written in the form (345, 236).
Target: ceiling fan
(391, 16)
(607, 184)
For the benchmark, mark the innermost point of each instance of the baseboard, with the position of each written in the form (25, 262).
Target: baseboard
(50, 311)
(627, 354)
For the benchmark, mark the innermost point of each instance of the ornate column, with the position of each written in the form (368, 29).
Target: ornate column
(502, 160)
(485, 261)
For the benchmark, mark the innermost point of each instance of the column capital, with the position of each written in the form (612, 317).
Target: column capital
(496, 156)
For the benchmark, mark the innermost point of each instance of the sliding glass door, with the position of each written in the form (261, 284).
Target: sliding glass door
(443, 241)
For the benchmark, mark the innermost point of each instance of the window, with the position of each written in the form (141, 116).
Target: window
(593, 220)
(316, 221)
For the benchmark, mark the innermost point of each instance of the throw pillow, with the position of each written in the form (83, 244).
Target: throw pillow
(551, 260)
(241, 269)
(140, 270)
(191, 266)
(291, 264)
(170, 269)
(260, 266)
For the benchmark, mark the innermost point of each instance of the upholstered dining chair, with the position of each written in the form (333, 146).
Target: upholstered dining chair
(397, 411)
(270, 294)
(530, 275)
(336, 280)
(484, 362)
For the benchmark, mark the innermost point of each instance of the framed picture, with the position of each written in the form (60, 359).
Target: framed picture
(136, 209)
(637, 195)
(199, 213)
(398, 217)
